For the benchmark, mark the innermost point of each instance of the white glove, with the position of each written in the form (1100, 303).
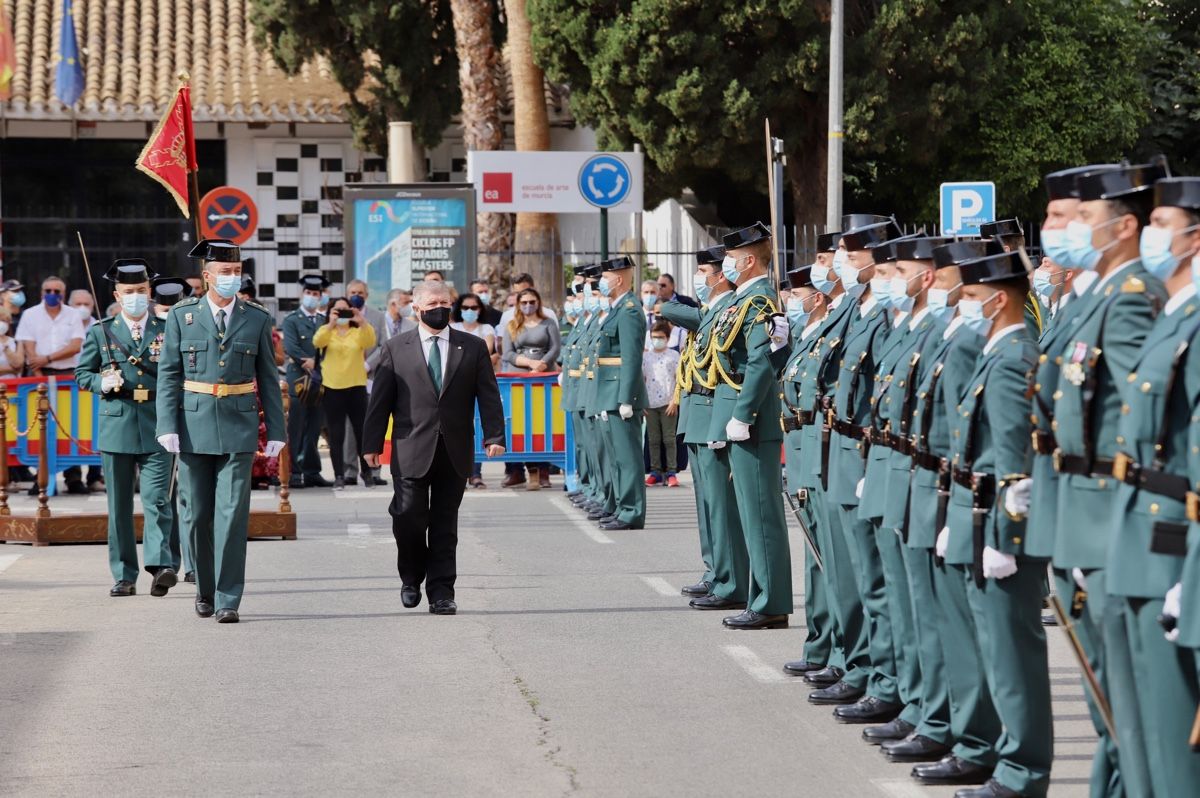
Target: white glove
(1080, 579)
(780, 331)
(1172, 605)
(1016, 497)
(560, 379)
(604, 415)
(111, 381)
(626, 411)
(716, 445)
(997, 564)
(273, 448)
(169, 442)
(943, 542)
(737, 430)
(858, 489)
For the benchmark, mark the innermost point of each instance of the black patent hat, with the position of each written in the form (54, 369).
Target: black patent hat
(593, 271)
(129, 271)
(746, 236)
(1001, 227)
(616, 264)
(169, 290)
(248, 286)
(1061, 184)
(853, 220)
(216, 250)
(710, 255)
(1121, 182)
(959, 252)
(800, 278)
(885, 252)
(871, 235)
(1178, 192)
(313, 282)
(581, 269)
(994, 268)
(827, 242)
(919, 248)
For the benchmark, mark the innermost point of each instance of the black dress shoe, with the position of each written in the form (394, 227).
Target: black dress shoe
(296, 483)
(123, 588)
(443, 607)
(317, 481)
(227, 615)
(204, 606)
(897, 729)
(349, 481)
(868, 709)
(410, 596)
(951, 770)
(164, 580)
(378, 482)
(1049, 619)
(701, 588)
(990, 789)
(75, 487)
(839, 693)
(915, 748)
(618, 525)
(824, 677)
(190, 577)
(711, 602)
(571, 494)
(749, 619)
(596, 515)
(607, 519)
(800, 667)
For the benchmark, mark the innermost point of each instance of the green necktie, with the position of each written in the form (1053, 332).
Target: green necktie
(435, 364)
(221, 323)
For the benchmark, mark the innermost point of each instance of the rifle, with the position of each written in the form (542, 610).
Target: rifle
(808, 537)
(1089, 675)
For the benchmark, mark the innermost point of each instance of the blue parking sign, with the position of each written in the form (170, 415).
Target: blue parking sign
(965, 206)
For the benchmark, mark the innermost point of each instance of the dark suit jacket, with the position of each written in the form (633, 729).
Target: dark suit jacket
(403, 392)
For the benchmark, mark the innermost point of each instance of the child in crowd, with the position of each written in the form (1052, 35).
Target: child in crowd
(659, 364)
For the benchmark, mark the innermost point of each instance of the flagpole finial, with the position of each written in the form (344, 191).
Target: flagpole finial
(183, 76)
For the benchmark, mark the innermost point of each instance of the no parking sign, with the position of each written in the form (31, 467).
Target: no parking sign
(228, 212)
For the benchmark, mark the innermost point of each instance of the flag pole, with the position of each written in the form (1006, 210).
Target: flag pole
(193, 174)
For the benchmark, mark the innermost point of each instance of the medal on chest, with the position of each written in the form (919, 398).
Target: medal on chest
(1072, 370)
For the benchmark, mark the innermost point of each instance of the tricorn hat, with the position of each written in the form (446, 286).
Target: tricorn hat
(919, 248)
(853, 220)
(959, 252)
(801, 277)
(129, 271)
(885, 252)
(313, 282)
(1001, 228)
(710, 255)
(746, 236)
(827, 242)
(1061, 184)
(616, 264)
(169, 290)
(869, 236)
(1122, 182)
(1179, 192)
(994, 268)
(216, 250)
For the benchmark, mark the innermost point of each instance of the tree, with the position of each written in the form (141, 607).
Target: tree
(478, 80)
(1172, 74)
(395, 59)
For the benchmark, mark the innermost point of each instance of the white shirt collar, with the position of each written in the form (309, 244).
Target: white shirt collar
(443, 334)
(1108, 278)
(837, 301)
(1082, 282)
(141, 323)
(810, 329)
(213, 307)
(998, 337)
(916, 319)
(867, 305)
(1176, 302)
(741, 289)
(898, 320)
(952, 327)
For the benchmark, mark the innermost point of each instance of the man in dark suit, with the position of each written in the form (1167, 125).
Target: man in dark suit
(427, 383)
(666, 292)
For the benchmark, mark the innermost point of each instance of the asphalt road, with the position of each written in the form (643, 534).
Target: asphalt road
(573, 668)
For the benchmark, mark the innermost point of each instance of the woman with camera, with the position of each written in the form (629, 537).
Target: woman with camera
(343, 341)
(531, 343)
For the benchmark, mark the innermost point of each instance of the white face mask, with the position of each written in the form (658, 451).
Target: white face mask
(3, 328)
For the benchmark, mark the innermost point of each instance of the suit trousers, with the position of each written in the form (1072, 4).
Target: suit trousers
(214, 504)
(425, 524)
(757, 484)
(303, 431)
(157, 512)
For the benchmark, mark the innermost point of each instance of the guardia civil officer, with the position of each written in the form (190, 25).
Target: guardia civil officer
(119, 361)
(1011, 236)
(1149, 528)
(304, 414)
(168, 292)
(217, 354)
(745, 417)
(569, 377)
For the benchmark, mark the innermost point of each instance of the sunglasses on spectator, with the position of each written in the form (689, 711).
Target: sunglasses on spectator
(51, 290)
(470, 307)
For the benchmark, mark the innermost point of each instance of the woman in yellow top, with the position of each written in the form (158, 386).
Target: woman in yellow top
(342, 342)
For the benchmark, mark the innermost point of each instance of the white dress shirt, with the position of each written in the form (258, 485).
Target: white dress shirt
(1176, 302)
(995, 339)
(140, 324)
(442, 337)
(51, 334)
(214, 307)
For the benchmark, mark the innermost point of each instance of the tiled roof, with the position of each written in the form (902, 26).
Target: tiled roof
(133, 50)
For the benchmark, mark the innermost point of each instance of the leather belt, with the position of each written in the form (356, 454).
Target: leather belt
(1072, 464)
(801, 419)
(218, 389)
(982, 485)
(700, 390)
(928, 461)
(846, 429)
(1043, 441)
(1172, 486)
(608, 361)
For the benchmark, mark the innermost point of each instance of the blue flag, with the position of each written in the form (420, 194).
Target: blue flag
(68, 78)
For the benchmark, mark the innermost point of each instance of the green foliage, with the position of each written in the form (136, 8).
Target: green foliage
(395, 58)
(1172, 75)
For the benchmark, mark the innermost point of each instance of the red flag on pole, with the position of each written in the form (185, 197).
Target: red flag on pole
(8, 57)
(170, 154)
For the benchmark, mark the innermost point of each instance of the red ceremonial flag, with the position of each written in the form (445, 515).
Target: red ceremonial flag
(8, 57)
(170, 154)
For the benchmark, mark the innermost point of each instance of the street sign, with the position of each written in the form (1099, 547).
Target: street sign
(965, 206)
(227, 212)
(556, 182)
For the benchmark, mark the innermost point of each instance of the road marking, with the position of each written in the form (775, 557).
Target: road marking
(752, 664)
(900, 788)
(358, 529)
(661, 586)
(7, 560)
(582, 524)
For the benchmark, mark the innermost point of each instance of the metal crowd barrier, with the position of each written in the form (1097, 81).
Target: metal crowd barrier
(69, 430)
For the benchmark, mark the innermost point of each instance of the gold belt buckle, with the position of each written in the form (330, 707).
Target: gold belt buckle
(1033, 437)
(221, 390)
(1192, 501)
(141, 395)
(1058, 459)
(1121, 463)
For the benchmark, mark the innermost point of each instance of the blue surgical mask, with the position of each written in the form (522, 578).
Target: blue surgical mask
(900, 299)
(529, 308)
(700, 288)
(796, 314)
(1044, 286)
(18, 299)
(323, 302)
(227, 285)
(1054, 244)
(54, 300)
(729, 269)
(471, 316)
(1196, 271)
(1156, 252)
(649, 301)
(604, 287)
(938, 302)
(357, 302)
(821, 279)
(591, 303)
(134, 305)
(309, 302)
(848, 274)
(343, 322)
(484, 297)
(971, 311)
(1079, 240)
(881, 289)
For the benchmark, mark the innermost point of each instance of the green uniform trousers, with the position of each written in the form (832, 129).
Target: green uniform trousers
(214, 497)
(1107, 779)
(1012, 640)
(628, 473)
(974, 725)
(840, 576)
(1154, 693)
(872, 593)
(900, 621)
(731, 561)
(818, 618)
(181, 547)
(582, 466)
(934, 693)
(157, 513)
(757, 484)
(701, 489)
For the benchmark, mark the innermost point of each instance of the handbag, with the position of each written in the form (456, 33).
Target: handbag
(308, 388)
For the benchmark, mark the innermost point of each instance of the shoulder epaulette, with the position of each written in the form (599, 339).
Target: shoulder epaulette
(1133, 285)
(194, 300)
(108, 319)
(248, 303)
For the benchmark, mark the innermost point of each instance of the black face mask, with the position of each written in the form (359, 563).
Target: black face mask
(436, 318)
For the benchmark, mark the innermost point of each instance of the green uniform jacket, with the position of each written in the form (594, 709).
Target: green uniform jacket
(796, 401)
(585, 399)
(298, 332)
(1189, 622)
(1158, 410)
(571, 357)
(1100, 353)
(695, 409)
(871, 505)
(991, 436)
(125, 426)
(864, 344)
(193, 350)
(622, 334)
(743, 330)
(818, 379)
(943, 378)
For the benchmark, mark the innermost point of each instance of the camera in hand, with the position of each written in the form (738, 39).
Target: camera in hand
(343, 313)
